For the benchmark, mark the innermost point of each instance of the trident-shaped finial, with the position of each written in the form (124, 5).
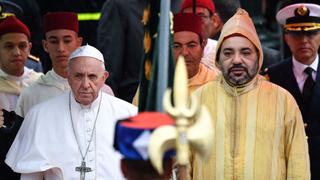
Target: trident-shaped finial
(192, 124)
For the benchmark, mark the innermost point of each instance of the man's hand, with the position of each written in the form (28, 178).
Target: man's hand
(1, 119)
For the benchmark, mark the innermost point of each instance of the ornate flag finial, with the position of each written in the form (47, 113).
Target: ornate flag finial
(191, 124)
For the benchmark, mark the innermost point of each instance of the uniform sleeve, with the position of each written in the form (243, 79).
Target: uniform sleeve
(111, 41)
(120, 39)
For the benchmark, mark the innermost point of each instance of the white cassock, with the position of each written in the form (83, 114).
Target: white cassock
(46, 141)
(11, 87)
(46, 87)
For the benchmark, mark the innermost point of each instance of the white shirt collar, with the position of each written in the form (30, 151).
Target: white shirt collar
(299, 67)
(53, 79)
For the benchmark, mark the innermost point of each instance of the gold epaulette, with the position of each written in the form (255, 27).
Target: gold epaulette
(34, 58)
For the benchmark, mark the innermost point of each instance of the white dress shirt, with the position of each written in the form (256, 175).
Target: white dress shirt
(300, 75)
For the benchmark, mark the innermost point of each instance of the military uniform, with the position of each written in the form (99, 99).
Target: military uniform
(301, 19)
(34, 63)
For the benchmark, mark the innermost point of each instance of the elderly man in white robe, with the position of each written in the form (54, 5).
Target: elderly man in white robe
(71, 136)
(60, 40)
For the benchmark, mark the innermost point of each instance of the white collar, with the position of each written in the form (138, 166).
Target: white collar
(25, 74)
(53, 79)
(91, 106)
(299, 67)
(57, 77)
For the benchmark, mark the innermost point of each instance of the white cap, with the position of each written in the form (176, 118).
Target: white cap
(307, 10)
(87, 51)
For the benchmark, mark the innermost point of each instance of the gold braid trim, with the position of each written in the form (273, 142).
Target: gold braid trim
(302, 26)
(5, 15)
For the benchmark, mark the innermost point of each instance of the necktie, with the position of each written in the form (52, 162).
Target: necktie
(308, 86)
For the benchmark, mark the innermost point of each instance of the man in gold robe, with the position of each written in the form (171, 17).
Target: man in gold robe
(259, 131)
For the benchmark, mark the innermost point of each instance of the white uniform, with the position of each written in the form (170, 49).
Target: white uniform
(11, 87)
(46, 141)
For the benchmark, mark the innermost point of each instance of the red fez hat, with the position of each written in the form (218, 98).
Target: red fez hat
(11, 24)
(208, 4)
(188, 22)
(61, 20)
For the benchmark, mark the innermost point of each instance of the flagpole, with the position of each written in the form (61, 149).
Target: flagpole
(163, 58)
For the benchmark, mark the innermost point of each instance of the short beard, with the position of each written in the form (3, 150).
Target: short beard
(250, 74)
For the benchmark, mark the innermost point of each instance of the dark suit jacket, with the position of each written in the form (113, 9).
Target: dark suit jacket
(120, 39)
(282, 74)
(7, 135)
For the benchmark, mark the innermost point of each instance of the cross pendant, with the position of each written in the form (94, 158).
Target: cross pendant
(83, 169)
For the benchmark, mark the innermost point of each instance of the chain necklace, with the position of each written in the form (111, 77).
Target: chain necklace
(83, 168)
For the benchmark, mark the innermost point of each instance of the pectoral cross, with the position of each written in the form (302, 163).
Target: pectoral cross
(83, 169)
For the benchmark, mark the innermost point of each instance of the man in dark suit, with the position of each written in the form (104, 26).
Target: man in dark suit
(120, 39)
(300, 74)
